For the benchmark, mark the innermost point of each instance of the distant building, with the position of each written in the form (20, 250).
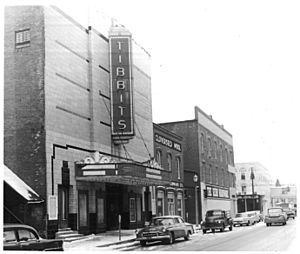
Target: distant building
(207, 154)
(284, 196)
(247, 200)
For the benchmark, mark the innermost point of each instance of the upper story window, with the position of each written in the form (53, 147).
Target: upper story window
(169, 161)
(215, 149)
(22, 38)
(243, 176)
(202, 142)
(158, 157)
(221, 153)
(209, 146)
(178, 167)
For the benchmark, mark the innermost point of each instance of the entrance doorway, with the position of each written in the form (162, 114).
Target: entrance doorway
(114, 205)
(63, 206)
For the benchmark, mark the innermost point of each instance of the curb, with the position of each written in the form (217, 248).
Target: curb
(117, 243)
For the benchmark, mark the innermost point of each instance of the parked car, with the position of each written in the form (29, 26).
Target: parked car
(25, 238)
(275, 215)
(240, 219)
(166, 229)
(216, 219)
(290, 213)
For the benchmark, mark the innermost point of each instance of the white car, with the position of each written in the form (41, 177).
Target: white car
(246, 218)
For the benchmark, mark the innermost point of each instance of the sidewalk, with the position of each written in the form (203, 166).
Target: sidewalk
(106, 239)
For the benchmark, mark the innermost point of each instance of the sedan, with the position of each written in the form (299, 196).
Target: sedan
(275, 215)
(25, 238)
(166, 229)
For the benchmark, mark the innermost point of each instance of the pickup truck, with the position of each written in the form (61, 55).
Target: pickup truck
(216, 219)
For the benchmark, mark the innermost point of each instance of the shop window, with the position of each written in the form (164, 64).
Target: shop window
(83, 209)
(171, 203)
(22, 38)
(160, 203)
(179, 204)
(100, 210)
(178, 167)
(132, 210)
(139, 209)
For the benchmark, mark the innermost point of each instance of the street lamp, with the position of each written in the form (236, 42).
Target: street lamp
(195, 179)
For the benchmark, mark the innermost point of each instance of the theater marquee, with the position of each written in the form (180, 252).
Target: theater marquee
(121, 87)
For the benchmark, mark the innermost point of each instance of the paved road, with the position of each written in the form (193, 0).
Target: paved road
(252, 238)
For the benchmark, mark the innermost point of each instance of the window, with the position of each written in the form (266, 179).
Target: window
(221, 153)
(209, 146)
(160, 203)
(215, 149)
(179, 203)
(26, 235)
(100, 210)
(243, 176)
(202, 143)
(217, 175)
(169, 161)
(171, 204)
(178, 167)
(244, 188)
(22, 38)
(132, 213)
(158, 157)
(9, 236)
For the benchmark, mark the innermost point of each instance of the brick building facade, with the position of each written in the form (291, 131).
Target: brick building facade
(207, 152)
(58, 121)
(169, 155)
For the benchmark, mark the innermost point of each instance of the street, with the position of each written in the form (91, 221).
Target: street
(248, 238)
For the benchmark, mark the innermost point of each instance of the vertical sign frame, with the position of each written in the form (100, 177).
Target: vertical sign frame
(121, 87)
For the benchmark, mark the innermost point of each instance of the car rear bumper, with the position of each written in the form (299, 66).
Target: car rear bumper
(275, 220)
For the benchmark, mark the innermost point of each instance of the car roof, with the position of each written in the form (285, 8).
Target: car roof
(167, 216)
(16, 225)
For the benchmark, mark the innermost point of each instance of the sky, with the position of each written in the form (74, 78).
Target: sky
(238, 61)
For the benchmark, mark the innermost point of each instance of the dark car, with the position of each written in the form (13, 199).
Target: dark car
(275, 215)
(216, 219)
(25, 238)
(166, 229)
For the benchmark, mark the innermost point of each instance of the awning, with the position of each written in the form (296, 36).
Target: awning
(21, 187)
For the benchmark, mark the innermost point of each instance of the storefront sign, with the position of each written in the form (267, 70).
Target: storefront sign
(121, 87)
(167, 142)
(217, 192)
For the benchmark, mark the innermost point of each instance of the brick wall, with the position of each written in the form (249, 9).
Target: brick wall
(24, 134)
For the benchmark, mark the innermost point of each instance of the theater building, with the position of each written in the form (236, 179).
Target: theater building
(78, 121)
(208, 154)
(168, 154)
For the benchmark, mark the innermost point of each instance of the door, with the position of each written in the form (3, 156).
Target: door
(83, 210)
(100, 210)
(63, 206)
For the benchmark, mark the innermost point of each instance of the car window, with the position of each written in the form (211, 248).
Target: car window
(181, 220)
(239, 215)
(26, 235)
(162, 221)
(275, 211)
(9, 236)
(214, 213)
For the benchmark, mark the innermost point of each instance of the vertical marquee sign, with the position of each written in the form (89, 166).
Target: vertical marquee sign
(121, 87)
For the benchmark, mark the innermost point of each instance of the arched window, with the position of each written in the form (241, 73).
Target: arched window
(178, 167)
(202, 143)
(169, 161)
(158, 157)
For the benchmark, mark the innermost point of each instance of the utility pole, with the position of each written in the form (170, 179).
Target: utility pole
(252, 179)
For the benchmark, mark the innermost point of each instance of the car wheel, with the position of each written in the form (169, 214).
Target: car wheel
(248, 224)
(213, 230)
(230, 228)
(222, 229)
(143, 243)
(171, 240)
(187, 237)
(204, 231)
